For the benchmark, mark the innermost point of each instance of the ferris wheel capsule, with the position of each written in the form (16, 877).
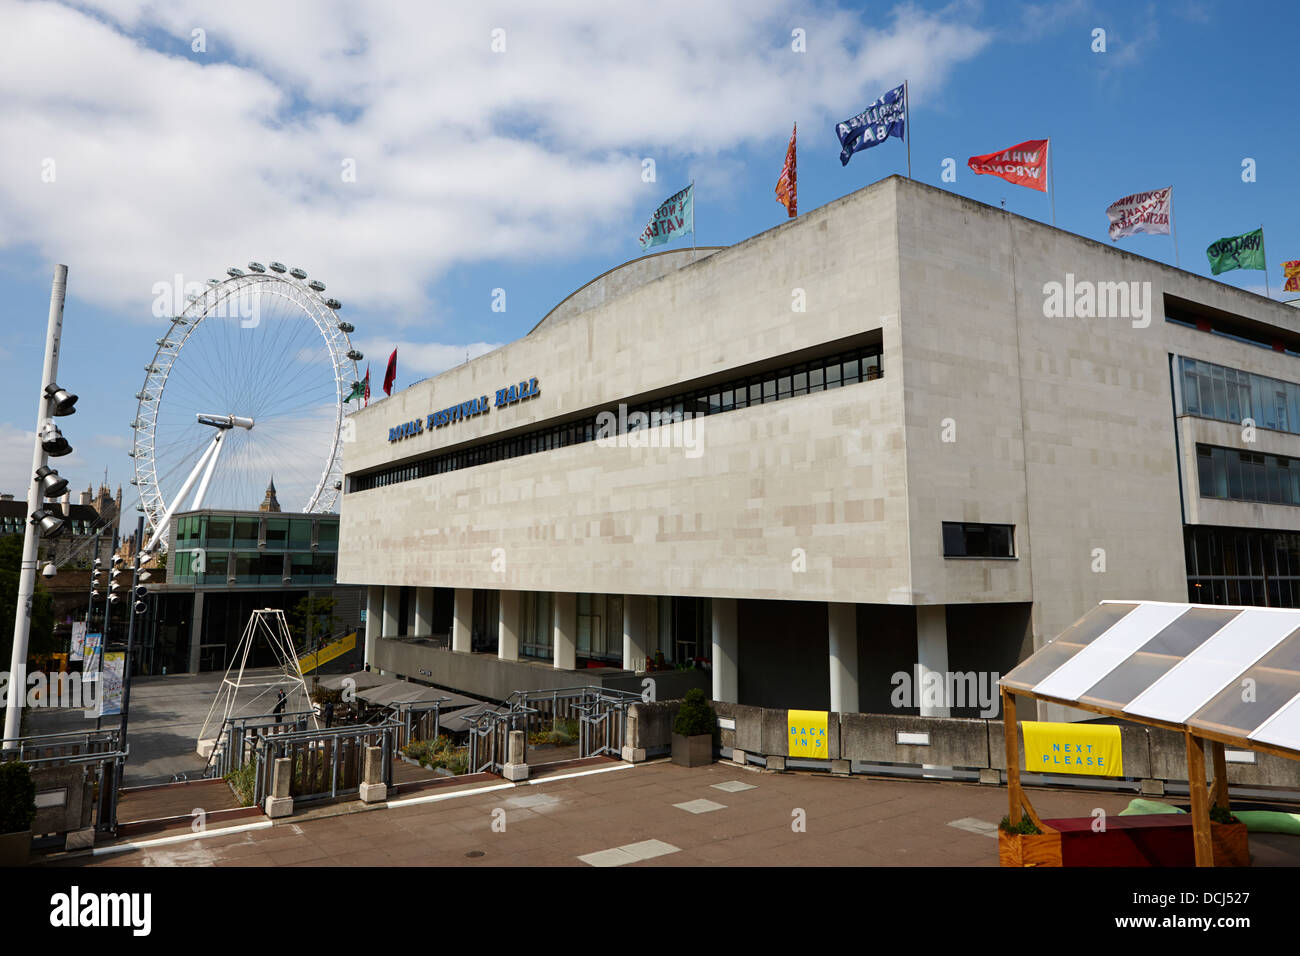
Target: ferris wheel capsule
(278, 267)
(257, 267)
(298, 273)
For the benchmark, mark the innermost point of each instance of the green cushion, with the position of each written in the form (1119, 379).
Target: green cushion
(1141, 806)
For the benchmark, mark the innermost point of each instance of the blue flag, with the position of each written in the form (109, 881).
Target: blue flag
(884, 118)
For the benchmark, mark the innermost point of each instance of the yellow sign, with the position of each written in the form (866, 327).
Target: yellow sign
(1073, 748)
(808, 736)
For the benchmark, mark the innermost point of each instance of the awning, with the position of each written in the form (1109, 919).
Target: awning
(360, 679)
(1228, 674)
(406, 692)
(461, 721)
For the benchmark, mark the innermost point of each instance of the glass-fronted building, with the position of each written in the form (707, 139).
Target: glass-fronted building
(223, 565)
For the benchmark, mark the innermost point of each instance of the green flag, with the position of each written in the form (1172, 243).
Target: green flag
(1238, 252)
(358, 390)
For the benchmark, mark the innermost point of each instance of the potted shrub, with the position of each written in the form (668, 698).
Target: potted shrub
(17, 811)
(1024, 844)
(693, 730)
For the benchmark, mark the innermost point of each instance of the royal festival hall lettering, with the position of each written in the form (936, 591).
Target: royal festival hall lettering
(468, 409)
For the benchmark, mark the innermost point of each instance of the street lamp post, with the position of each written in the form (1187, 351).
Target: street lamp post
(31, 534)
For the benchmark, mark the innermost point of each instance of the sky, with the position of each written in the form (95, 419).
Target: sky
(419, 157)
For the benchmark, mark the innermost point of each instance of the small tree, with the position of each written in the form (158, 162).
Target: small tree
(17, 797)
(313, 619)
(696, 715)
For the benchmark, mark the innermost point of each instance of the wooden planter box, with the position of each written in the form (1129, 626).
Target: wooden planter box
(1229, 841)
(696, 751)
(1029, 849)
(1231, 844)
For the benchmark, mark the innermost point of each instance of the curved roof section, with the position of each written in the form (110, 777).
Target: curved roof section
(621, 280)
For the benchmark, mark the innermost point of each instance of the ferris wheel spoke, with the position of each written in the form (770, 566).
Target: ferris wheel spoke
(287, 372)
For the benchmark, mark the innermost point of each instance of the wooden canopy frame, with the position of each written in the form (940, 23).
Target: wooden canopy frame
(1198, 784)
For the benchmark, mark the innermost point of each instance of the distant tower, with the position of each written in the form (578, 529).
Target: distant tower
(270, 502)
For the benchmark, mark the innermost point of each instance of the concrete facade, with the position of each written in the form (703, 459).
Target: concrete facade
(987, 410)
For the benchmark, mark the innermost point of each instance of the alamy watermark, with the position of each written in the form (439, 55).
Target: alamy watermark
(64, 690)
(668, 429)
(1085, 299)
(929, 688)
(173, 298)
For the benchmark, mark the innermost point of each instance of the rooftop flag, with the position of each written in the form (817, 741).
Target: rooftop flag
(366, 381)
(1148, 212)
(1237, 252)
(674, 217)
(358, 392)
(1024, 164)
(787, 186)
(1292, 272)
(884, 118)
(390, 375)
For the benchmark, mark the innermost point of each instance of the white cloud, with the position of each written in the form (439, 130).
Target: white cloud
(167, 161)
(16, 461)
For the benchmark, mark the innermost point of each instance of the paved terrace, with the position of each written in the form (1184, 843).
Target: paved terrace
(605, 813)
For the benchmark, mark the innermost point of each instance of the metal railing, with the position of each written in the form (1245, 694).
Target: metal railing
(325, 763)
(238, 737)
(417, 720)
(98, 752)
(600, 712)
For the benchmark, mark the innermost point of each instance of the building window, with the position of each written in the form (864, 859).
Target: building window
(1230, 395)
(966, 540)
(1233, 475)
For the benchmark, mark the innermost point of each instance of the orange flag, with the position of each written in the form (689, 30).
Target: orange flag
(1292, 272)
(787, 187)
(1024, 164)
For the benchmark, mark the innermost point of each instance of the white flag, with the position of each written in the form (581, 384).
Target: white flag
(1142, 212)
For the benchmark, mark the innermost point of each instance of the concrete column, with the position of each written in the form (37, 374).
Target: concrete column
(566, 630)
(843, 633)
(726, 680)
(462, 620)
(374, 618)
(373, 788)
(196, 631)
(932, 655)
(516, 766)
(508, 625)
(392, 603)
(634, 632)
(278, 802)
(423, 612)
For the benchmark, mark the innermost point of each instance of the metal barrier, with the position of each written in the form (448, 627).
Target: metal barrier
(326, 763)
(238, 736)
(84, 768)
(600, 712)
(417, 720)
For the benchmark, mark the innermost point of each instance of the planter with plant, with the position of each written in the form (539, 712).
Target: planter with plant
(17, 811)
(1228, 838)
(1024, 844)
(694, 727)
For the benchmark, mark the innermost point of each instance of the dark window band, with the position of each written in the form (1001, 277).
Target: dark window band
(815, 375)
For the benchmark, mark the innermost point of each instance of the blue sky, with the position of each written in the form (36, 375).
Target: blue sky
(521, 170)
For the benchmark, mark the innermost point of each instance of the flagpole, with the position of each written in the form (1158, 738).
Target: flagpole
(907, 119)
(1263, 251)
(693, 220)
(1051, 175)
(1173, 226)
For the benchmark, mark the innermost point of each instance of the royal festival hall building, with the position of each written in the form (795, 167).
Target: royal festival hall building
(930, 434)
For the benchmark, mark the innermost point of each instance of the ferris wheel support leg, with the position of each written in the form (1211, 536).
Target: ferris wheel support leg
(161, 530)
(218, 440)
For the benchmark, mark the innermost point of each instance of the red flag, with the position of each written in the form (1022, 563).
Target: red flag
(390, 376)
(367, 380)
(1024, 164)
(787, 187)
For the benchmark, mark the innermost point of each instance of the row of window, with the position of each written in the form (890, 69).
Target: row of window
(251, 531)
(845, 368)
(1240, 567)
(1235, 475)
(1230, 395)
(253, 567)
